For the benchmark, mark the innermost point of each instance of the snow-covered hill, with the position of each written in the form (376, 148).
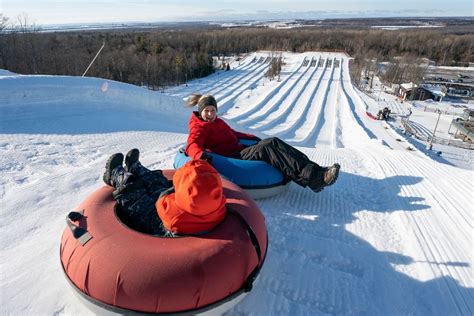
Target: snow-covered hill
(393, 236)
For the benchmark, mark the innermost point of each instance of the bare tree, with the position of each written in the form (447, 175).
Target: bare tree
(274, 69)
(28, 46)
(4, 41)
(3, 22)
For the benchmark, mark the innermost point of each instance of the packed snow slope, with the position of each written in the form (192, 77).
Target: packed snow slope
(393, 236)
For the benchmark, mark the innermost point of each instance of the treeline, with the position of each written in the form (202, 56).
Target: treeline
(147, 59)
(166, 57)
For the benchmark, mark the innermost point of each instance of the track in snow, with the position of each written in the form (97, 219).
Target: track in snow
(313, 105)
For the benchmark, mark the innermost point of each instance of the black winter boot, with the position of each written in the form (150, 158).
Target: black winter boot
(113, 162)
(329, 176)
(133, 165)
(131, 158)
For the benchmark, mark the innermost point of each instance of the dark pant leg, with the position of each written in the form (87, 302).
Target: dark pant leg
(294, 164)
(155, 180)
(137, 207)
(151, 178)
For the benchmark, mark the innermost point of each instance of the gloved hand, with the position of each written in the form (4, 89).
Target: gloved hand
(205, 156)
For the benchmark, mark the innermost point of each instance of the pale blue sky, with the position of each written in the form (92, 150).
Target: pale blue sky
(86, 11)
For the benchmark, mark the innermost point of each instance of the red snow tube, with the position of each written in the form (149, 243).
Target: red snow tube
(370, 115)
(121, 270)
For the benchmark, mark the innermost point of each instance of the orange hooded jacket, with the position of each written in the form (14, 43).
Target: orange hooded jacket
(198, 204)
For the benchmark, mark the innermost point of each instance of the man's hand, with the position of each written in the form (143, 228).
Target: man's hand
(207, 157)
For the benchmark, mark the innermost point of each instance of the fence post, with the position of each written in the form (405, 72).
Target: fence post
(430, 144)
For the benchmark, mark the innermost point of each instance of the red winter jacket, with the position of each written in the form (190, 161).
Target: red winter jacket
(215, 136)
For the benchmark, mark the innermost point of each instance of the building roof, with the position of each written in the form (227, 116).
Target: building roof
(408, 86)
(436, 90)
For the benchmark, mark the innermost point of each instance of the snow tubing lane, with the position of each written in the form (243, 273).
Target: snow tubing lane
(123, 271)
(257, 178)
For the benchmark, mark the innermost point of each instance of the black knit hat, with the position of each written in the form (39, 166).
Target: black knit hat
(206, 100)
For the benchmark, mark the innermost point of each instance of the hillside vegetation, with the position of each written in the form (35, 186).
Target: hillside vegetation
(164, 57)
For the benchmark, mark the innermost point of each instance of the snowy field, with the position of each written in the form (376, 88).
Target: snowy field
(393, 236)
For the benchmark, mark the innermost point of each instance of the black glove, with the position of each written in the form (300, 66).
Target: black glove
(205, 156)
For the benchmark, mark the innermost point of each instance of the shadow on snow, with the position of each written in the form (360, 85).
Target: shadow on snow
(315, 265)
(84, 119)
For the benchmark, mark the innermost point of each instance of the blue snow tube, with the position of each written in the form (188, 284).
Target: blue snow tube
(257, 178)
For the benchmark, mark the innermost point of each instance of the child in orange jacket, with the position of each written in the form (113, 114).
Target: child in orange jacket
(193, 203)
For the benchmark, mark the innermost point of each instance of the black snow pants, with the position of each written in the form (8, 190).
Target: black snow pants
(294, 164)
(136, 196)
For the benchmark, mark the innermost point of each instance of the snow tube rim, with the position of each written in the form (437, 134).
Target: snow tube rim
(247, 166)
(116, 207)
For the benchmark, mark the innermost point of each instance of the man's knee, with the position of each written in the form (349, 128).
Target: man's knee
(275, 142)
(270, 140)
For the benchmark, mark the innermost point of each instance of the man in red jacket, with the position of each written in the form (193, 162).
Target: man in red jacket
(209, 133)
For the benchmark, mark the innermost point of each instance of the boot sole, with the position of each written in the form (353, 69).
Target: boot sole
(338, 167)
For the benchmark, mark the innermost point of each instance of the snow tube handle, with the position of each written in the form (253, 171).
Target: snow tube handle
(81, 234)
(248, 285)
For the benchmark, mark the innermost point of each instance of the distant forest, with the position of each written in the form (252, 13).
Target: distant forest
(164, 57)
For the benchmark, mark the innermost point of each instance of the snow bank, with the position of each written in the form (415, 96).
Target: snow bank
(92, 104)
